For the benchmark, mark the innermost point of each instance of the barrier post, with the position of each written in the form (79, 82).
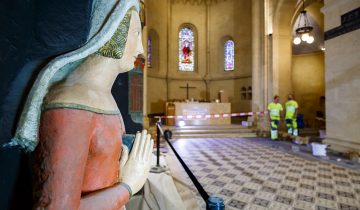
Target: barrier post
(212, 203)
(158, 168)
(158, 143)
(215, 203)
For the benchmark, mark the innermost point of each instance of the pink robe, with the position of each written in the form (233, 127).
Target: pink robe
(78, 153)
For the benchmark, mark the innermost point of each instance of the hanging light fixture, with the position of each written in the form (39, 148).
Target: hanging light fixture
(304, 29)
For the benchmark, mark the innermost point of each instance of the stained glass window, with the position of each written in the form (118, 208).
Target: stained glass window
(149, 52)
(229, 55)
(186, 49)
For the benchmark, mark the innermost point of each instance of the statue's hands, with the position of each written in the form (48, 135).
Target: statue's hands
(123, 159)
(136, 169)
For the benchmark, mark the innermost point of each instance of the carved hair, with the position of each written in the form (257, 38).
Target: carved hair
(115, 47)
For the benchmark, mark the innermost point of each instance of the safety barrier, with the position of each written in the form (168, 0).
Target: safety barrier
(212, 203)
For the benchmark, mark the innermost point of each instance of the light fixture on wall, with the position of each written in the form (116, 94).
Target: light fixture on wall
(304, 29)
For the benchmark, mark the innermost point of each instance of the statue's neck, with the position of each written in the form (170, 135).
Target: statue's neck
(90, 84)
(96, 72)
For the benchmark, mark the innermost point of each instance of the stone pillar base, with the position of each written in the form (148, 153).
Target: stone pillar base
(340, 145)
(146, 122)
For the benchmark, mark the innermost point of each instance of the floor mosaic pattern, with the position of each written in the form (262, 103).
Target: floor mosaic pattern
(249, 175)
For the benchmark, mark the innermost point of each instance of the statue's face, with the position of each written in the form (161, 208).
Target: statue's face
(133, 46)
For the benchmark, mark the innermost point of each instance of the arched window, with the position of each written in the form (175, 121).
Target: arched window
(186, 49)
(149, 52)
(229, 55)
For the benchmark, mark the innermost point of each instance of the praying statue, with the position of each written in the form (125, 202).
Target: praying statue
(72, 125)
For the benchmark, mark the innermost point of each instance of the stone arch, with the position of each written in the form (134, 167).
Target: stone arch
(284, 80)
(285, 13)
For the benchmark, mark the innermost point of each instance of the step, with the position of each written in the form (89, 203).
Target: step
(209, 128)
(214, 135)
(212, 131)
(208, 131)
(212, 127)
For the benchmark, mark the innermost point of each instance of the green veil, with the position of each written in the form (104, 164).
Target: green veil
(106, 16)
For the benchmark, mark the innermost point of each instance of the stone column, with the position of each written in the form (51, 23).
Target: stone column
(281, 70)
(268, 42)
(208, 59)
(168, 41)
(145, 36)
(342, 74)
(258, 103)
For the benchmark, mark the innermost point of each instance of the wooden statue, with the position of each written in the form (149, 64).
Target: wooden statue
(75, 128)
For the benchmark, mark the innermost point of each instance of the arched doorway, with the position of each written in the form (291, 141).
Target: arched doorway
(298, 69)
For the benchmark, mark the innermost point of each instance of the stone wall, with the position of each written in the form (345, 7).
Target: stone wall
(308, 84)
(342, 79)
(227, 20)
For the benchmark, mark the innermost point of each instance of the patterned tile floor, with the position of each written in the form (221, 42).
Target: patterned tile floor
(251, 175)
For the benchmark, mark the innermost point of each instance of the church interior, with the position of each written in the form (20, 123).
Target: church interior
(203, 78)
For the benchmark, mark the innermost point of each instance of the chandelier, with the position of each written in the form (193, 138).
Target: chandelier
(304, 29)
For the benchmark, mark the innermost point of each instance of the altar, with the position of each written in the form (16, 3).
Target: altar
(199, 109)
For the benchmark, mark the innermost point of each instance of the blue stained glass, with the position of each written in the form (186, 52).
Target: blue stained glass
(229, 55)
(186, 49)
(149, 52)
